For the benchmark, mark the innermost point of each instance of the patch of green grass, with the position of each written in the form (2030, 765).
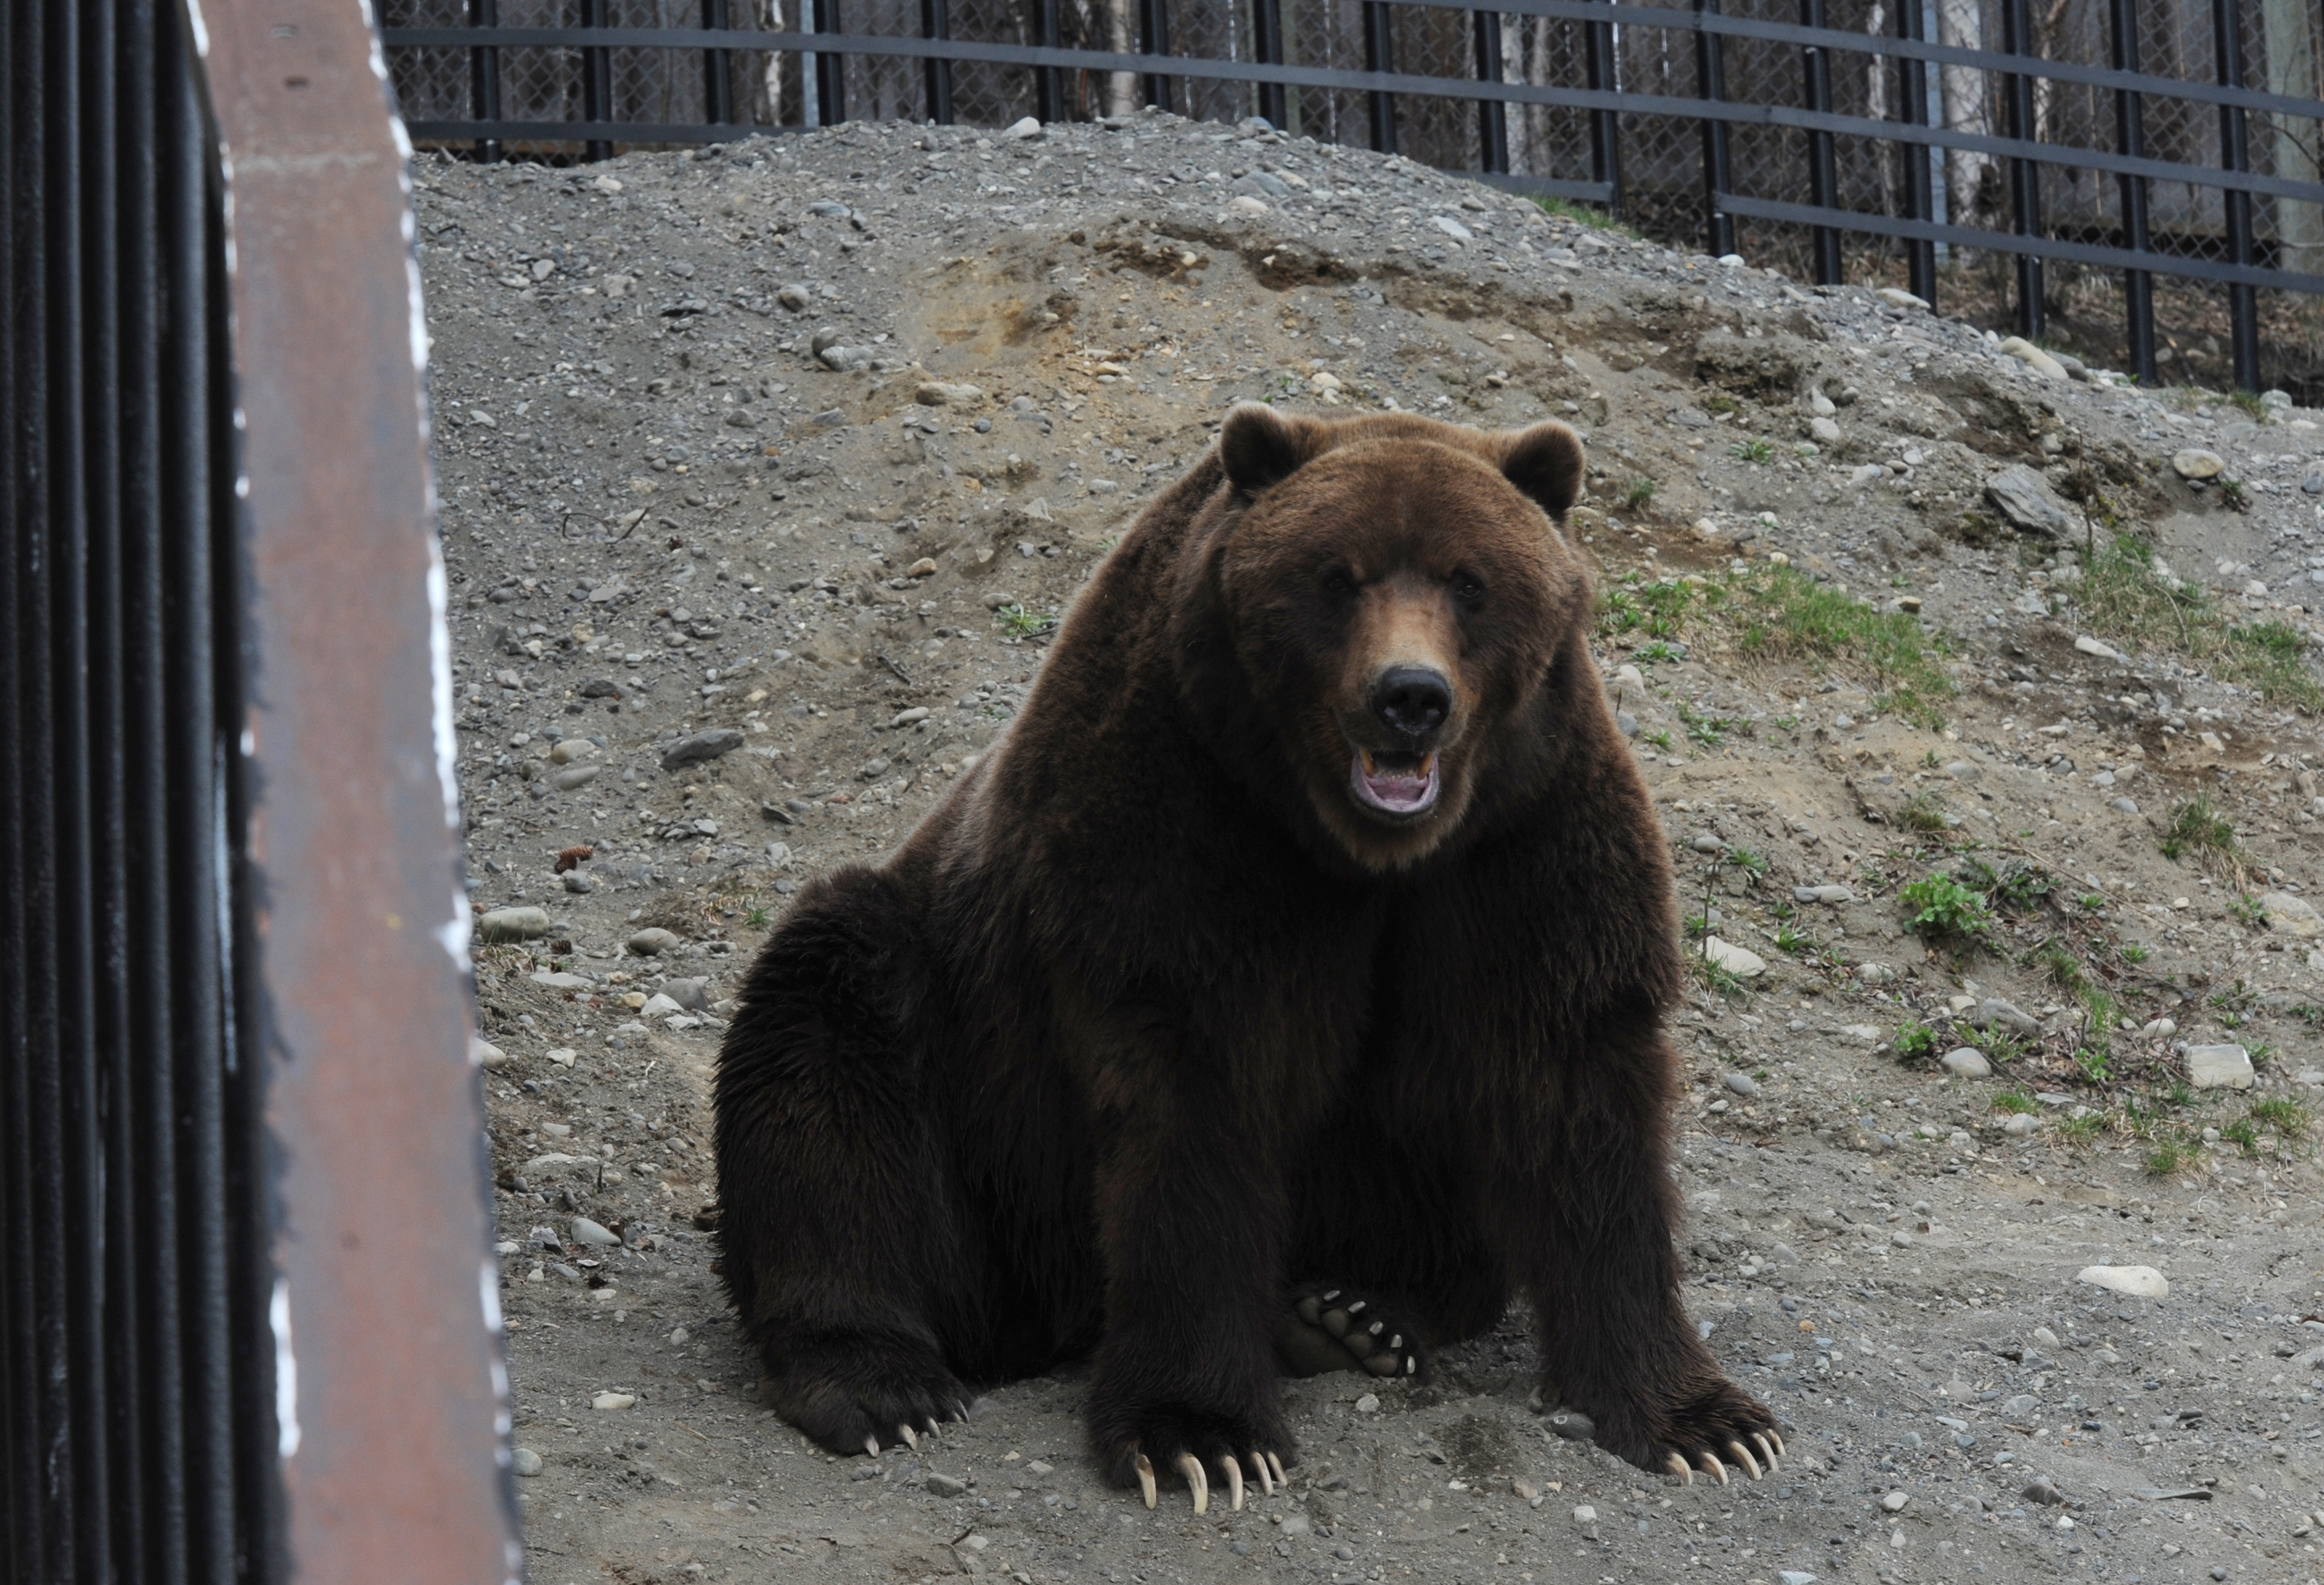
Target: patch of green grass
(1941, 906)
(2083, 1130)
(1924, 811)
(1017, 622)
(2132, 952)
(2167, 1157)
(756, 919)
(2242, 1134)
(2246, 907)
(1638, 494)
(1590, 215)
(2198, 829)
(1717, 978)
(1782, 612)
(2124, 599)
(1787, 723)
(2250, 403)
(2287, 1117)
(1916, 1043)
(2059, 962)
(1707, 731)
(2232, 491)
(1659, 739)
(2016, 1098)
(1796, 942)
(1750, 863)
(1697, 926)
(1754, 449)
(2017, 888)
(2095, 1062)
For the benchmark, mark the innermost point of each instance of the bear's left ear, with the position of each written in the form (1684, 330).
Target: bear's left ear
(1545, 463)
(1259, 447)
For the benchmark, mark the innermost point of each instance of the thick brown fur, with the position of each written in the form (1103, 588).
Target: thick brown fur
(1152, 1026)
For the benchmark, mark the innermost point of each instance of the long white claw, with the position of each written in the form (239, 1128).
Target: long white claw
(1234, 1482)
(1280, 1478)
(1258, 1468)
(1766, 1452)
(1145, 1479)
(1197, 1482)
(931, 1424)
(1777, 1438)
(1743, 1457)
(1412, 1367)
(1677, 1466)
(872, 1446)
(910, 1440)
(1707, 1462)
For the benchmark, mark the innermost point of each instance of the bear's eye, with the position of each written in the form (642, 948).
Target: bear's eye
(1468, 593)
(1339, 586)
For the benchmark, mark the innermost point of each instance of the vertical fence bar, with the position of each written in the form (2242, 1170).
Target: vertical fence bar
(830, 69)
(1493, 115)
(2234, 154)
(1920, 200)
(484, 77)
(1266, 48)
(1605, 126)
(2130, 139)
(1379, 55)
(1048, 82)
(717, 69)
(1711, 82)
(1154, 39)
(596, 81)
(936, 23)
(2024, 175)
(1823, 174)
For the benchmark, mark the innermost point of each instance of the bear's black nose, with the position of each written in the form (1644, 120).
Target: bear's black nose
(1411, 701)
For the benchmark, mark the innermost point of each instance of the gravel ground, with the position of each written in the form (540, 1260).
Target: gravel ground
(765, 471)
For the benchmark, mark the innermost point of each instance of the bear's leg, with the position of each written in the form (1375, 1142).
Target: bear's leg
(1588, 1206)
(845, 1251)
(1189, 1222)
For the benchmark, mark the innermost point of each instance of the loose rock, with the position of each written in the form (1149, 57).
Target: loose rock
(2139, 1282)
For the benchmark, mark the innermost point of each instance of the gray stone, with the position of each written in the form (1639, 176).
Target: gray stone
(2196, 463)
(2314, 483)
(574, 776)
(693, 995)
(1573, 1425)
(586, 1231)
(1742, 1083)
(1898, 296)
(1994, 1010)
(1822, 895)
(2123, 805)
(1739, 961)
(525, 1463)
(1823, 432)
(846, 360)
(1966, 1062)
(578, 883)
(2023, 496)
(945, 1486)
(654, 941)
(698, 748)
(512, 924)
(2219, 1067)
(943, 393)
(2291, 916)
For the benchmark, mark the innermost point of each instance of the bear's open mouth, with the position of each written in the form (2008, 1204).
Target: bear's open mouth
(1402, 786)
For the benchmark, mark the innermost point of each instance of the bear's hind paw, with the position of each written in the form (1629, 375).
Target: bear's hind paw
(1335, 1327)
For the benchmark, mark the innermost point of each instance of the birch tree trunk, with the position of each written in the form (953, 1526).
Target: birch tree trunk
(1122, 38)
(1961, 23)
(2290, 29)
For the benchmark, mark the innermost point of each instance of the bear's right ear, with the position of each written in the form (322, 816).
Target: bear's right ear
(1545, 463)
(1259, 447)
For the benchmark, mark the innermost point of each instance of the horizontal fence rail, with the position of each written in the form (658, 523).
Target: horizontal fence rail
(1976, 129)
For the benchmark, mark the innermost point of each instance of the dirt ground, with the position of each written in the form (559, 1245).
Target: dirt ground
(765, 473)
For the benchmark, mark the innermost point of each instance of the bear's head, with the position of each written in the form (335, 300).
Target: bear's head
(1396, 593)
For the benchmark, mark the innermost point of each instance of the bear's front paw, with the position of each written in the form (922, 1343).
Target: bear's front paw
(1194, 1445)
(1718, 1426)
(1336, 1328)
(853, 1394)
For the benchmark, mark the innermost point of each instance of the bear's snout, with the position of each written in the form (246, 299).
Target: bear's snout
(1411, 702)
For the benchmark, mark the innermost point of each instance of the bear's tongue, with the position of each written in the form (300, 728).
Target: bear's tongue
(1395, 784)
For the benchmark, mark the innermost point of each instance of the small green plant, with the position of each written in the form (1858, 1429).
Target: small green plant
(1697, 926)
(1658, 652)
(1754, 449)
(2198, 829)
(1639, 495)
(1707, 731)
(2232, 491)
(1924, 811)
(2090, 902)
(2287, 1117)
(1787, 723)
(2260, 1053)
(2166, 1158)
(2084, 1130)
(2017, 888)
(1017, 622)
(1590, 215)
(2242, 1134)
(2016, 1098)
(756, 919)
(1941, 906)
(1792, 941)
(2132, 952)
(2095, 1062)
(1659, 739)
(2308, 1012)
(2249, 400)
(1916, 1043)
(1754, 865)
(1931, 760)
(2058, 962)
(2246, 907)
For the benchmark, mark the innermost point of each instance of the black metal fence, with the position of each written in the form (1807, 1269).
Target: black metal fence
(248, 1326)
(2029, 157)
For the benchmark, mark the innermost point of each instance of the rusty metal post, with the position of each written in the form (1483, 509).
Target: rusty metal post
(390, 1397)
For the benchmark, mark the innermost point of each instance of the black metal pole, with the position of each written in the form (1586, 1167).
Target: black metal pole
(2234, 154)
(596, 81)
(1823, 174)
(1267, 46)
(1379, 55)
(1605, 126)
(936, 23)
(1154, 39)
(717, 70)
(1048, 82)
(1711, 79)
(1920, 197)
(2024, 175)
(2130, 139)
(1493, 115)
(484, 77)
(830, 69)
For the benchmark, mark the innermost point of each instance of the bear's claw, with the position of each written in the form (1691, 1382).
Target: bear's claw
(1146, 1480)
(1190, 1468)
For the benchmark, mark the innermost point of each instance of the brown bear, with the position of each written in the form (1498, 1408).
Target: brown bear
(1284, 987)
